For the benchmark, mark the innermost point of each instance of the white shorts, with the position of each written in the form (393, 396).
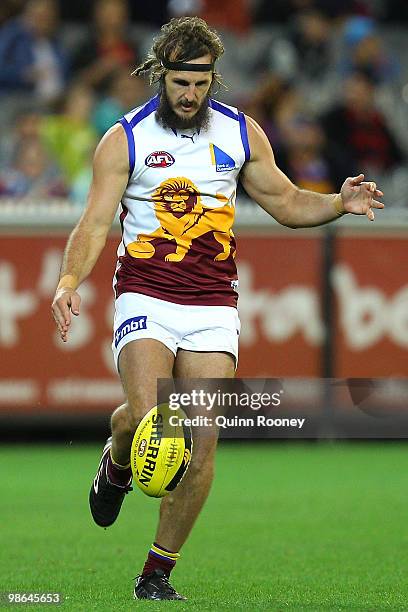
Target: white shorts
(193, 328)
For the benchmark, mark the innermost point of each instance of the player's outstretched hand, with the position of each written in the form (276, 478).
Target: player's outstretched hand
(359, 196)
(65, 301)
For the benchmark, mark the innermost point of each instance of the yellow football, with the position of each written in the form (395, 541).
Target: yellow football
(161, 450)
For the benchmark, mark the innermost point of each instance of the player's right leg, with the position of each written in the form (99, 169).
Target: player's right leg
(141, 363)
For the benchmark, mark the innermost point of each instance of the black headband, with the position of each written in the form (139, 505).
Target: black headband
(187, 67)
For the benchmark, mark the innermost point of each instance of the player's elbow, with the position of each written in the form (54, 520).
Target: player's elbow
(285, 211)
(288, 223)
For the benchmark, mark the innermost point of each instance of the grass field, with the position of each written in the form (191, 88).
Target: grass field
(287, 527)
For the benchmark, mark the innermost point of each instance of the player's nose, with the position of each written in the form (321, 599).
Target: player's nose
(190, 93)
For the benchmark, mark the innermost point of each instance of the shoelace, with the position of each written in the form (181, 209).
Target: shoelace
(162, 579)
(113, 491)
(165, 581)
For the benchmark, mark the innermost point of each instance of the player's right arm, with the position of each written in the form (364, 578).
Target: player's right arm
(110, 178)
(267, 185)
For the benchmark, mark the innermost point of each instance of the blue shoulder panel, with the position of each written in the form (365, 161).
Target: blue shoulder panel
(128, 126)
(244, 135)
(144, 112)
(222, 109)
(131, 144)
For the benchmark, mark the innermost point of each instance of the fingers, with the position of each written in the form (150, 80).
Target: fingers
(356, 180)
(62, 318)
(374, 192)
(361, 196)
(372, 188)
(370, 214)
(61, 313)
(62, 306)
(64, 334)
(75, 302)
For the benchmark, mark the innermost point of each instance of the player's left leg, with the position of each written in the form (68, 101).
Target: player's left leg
(180, 509)
(141, 361)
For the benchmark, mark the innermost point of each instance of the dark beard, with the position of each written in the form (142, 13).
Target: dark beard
(169, 119)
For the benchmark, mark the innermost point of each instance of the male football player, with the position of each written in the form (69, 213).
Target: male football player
(173, 165)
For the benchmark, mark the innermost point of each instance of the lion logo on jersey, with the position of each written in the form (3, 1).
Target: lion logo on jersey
(182, 217)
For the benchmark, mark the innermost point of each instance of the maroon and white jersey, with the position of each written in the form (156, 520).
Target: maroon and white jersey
(178, 208)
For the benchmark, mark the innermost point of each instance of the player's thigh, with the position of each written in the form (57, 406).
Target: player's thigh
(205, 365)
(141, 363)
(197, 364)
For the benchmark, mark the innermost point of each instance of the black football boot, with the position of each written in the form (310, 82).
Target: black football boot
(105, 498)
(155, 586)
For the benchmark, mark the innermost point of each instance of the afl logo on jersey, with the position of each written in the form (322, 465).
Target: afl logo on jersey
(159, 159)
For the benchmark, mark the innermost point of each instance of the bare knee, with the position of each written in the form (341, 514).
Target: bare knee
(122, 421)
(203, 458)
(198, 471)
(127, 417)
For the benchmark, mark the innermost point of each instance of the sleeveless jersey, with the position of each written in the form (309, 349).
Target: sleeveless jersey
(178, 207)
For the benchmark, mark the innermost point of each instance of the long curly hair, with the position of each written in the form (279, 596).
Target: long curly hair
(181, 40)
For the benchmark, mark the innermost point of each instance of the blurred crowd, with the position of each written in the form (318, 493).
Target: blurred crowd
(327, 81)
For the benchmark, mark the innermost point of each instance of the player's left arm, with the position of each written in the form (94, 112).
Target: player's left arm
(295, 207)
